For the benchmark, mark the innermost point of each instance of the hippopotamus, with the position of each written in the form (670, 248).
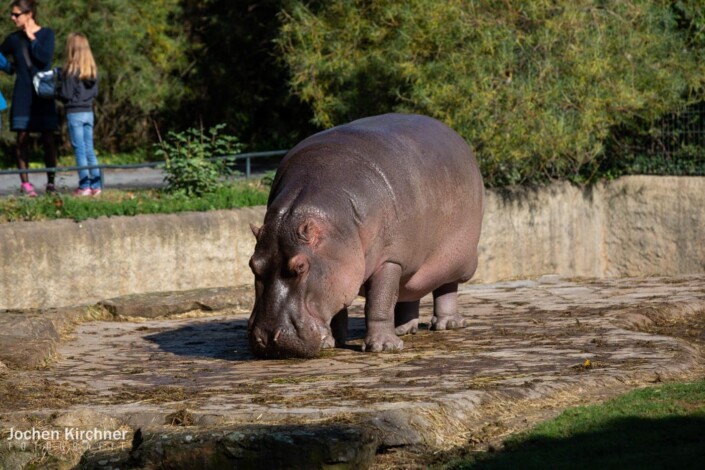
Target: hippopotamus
(389, 207)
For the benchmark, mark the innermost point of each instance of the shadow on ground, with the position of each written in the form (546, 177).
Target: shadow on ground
(629, 442)
(211, 340)
(222, 339)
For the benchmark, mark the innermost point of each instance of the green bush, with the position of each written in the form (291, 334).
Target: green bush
(188, 168)
(536, 86)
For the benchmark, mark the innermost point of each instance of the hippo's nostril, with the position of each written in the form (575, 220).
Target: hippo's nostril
(276, 335)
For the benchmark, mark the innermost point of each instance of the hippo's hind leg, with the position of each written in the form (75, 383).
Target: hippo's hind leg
(406, 318)
(445, 308)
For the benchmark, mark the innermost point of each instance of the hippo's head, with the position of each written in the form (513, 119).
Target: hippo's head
(305, 272)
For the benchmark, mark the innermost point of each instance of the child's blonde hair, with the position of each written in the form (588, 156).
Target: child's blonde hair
(79, 58)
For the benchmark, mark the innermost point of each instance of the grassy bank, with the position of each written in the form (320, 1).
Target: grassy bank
(116, 202)
(660, 427)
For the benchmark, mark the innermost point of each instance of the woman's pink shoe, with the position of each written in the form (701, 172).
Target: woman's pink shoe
(28, 190)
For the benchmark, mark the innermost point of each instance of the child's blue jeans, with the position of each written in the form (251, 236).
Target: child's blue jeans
(81, 135)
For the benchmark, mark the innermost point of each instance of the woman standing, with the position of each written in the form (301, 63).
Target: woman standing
(32, 48)
(79, 86)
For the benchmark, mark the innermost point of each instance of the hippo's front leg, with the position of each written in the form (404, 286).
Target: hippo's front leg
(382, 292)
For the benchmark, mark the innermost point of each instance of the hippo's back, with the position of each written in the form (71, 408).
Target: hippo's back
(406, 160)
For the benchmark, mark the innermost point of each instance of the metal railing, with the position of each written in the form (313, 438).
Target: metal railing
(240, 156)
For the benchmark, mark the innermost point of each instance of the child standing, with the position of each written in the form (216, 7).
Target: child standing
(78, 88)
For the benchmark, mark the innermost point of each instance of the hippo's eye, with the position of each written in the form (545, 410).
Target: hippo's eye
(298, 265)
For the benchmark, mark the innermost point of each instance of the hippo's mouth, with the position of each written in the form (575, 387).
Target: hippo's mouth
(298, 339)
(288, 345)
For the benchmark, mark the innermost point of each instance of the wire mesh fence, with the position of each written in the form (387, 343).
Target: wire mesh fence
(673, 145)
(679, 134)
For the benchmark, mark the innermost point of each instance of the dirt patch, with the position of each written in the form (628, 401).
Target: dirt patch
(530, 350)
(22, 393)
(684, 321)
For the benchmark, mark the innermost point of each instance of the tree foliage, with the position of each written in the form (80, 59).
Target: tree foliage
(540, 88)
(536, 86)
(234, 75)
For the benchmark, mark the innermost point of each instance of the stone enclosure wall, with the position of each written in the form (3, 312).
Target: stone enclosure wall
(634, 226)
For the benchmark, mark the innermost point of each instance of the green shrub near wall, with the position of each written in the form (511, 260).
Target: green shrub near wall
(536, 86)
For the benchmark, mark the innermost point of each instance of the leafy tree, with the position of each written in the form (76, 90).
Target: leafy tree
(536, 86)
(235, 75)
(138, 47)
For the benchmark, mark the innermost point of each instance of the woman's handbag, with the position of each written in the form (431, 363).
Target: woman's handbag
(45, 83)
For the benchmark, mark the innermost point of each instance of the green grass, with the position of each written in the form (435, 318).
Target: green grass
(116, 203)
(661, 427)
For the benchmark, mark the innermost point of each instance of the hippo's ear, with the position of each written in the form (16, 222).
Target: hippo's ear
(310, 233)
(255, 230)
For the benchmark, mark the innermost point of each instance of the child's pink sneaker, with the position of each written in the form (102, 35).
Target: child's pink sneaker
(96, 192)
(28, 189)
(82, 192)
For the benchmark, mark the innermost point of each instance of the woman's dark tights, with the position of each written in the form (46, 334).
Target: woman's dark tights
(23, 153)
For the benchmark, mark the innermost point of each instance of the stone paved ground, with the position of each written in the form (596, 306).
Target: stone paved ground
(199, 398)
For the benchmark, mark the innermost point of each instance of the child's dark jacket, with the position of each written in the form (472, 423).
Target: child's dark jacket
(76, 94)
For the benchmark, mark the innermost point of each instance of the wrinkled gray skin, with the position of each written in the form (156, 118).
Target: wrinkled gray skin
(388, 206)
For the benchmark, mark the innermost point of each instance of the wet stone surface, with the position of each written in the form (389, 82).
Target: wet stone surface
(191, 385)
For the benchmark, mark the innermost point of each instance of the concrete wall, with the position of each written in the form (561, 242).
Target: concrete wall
(634, 226)
(655, 226)
(630, 227)
(60, 263)
(530, 232)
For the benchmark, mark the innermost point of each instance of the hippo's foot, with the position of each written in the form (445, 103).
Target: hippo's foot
(382, 342)
(407, 328)
(328, 343)
(406, 318)
(327, 338)
(447, 322)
